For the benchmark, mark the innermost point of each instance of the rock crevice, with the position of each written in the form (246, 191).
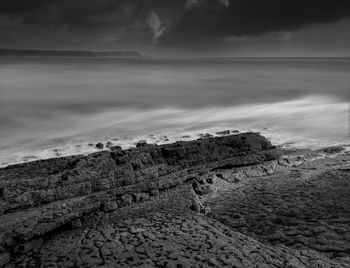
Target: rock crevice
(146, 206)
(41, 196)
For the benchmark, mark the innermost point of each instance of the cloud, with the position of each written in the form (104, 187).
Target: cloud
(181, 23)
(225, 2)
(157, 27)
(220, 19)
(191, 3)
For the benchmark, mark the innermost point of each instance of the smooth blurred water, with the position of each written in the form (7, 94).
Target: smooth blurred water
(66, 103)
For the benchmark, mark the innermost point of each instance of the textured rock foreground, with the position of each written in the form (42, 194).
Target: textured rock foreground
(173, 205)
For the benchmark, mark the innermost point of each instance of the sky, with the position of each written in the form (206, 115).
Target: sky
(180, 27)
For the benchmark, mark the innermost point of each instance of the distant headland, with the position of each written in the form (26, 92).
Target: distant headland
(69, 53)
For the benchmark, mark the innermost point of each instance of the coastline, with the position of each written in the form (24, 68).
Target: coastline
(59, 137)
(86, 146)
(212, 187)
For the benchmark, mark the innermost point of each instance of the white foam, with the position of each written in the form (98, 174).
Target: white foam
(312, 121)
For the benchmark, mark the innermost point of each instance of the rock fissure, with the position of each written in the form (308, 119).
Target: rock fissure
(163, 206)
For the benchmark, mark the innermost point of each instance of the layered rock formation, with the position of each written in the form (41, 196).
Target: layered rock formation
(142, 206)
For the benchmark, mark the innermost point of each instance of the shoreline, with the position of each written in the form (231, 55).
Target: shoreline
(60, 137)
(184, 194)
(158, 138)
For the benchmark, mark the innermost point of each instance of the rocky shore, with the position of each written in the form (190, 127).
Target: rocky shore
(230, 201)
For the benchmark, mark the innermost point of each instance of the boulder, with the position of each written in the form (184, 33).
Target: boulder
(222, 133)
(99, 145)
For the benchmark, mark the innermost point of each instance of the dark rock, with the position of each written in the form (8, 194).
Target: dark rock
(283, 212)
(333, 150)
(109, 144)
(210, 180)
(99, 145)
(206, 135)
(116, 148)
(43, 196)
(197, 187)
(222, 133)
(141, 143)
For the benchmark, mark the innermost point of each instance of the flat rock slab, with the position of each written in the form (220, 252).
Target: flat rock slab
(162, 240)
(303, 208)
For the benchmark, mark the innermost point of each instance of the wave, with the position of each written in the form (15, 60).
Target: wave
(312, 121)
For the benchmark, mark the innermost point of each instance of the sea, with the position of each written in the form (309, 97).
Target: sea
(58, 106)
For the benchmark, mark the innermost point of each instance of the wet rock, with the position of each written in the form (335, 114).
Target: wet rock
(109, 144)
(206, 135)
(116, 148)
(99, 145)
(222, 133)
(141, 143)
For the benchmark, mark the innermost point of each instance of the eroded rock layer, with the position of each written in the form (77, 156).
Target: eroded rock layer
(41, 196)
(153, 206)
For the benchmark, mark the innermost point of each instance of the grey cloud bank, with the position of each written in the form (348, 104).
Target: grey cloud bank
(164, 25)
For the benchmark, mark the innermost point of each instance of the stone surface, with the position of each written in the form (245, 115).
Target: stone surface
(110, 206)
(303, 208)
(146, 207)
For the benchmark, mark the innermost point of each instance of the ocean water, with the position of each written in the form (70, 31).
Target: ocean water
(57, 106)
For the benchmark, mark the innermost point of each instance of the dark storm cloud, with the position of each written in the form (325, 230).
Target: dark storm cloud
(121, 21)
(176, 22)
(210, 19)
(63, 12)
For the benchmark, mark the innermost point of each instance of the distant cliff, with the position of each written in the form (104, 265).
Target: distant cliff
(69, 53)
